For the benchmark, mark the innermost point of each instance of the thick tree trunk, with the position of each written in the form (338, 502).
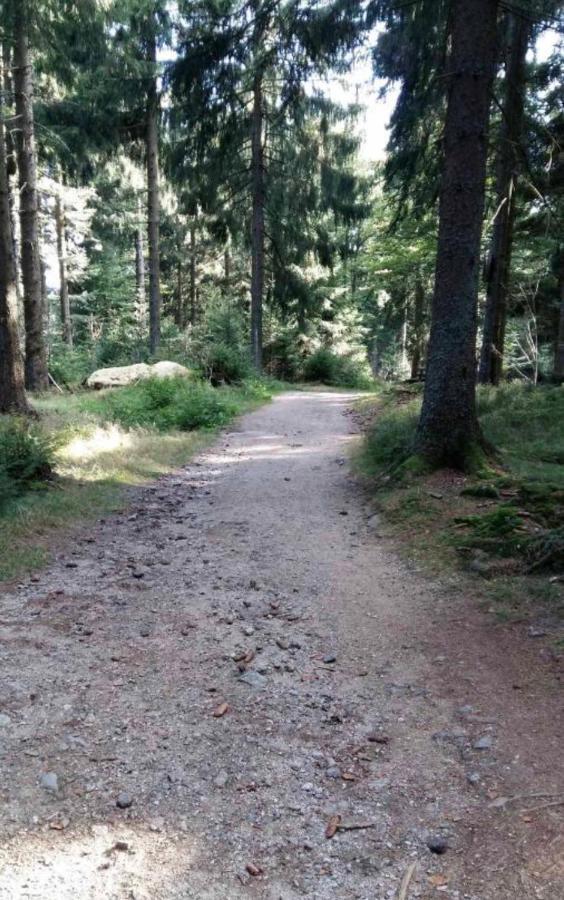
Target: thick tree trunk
(508, 164)
(193, 278)
(64, 300)
(558, 373)
(35, 356)
(12, 390)
(448, 432)
(418, 320)
(257, 224)
(153, 201)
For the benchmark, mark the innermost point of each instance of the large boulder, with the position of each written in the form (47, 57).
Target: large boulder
(118, 376)
(167, 369)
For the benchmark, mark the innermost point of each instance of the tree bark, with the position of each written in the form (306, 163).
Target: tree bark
(153, 200)
(418, 319)
(558, 373)
(448, 432)
(193, 279)
(12, 388)
(508, 164)
(257, 224)
(64, 300)
(140, 276)
(35, 355)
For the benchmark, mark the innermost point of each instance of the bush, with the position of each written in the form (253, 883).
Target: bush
(70, 368)
(25, 458)
(222, 364)
(170, 404)
(338, 371)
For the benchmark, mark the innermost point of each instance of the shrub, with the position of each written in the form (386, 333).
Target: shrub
(338, 371)
(389, 442)
(223, 364)
(25, 458)
(170, 404)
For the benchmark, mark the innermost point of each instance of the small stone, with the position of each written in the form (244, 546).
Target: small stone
(536, 632)
(290, 667)
(220, 781)
(124, 800)
(333, 772)
(248, 630)
(4, 720)
(307, 787)
(282, 643)
(437, 844)
(253, 679)
(329, 658)
(473, 777)
(295, 645)
(378, 737)
(145, 631)
(49, 781)
(483, 743)
(229, 619)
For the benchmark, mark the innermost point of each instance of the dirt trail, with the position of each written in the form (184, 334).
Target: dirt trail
(369, 696)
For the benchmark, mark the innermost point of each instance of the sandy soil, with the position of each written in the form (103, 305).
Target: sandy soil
(367, 693)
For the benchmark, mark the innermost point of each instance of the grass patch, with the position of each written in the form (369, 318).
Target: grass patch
(506, 524)
(101, 445)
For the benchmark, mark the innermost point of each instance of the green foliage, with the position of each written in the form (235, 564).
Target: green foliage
(69, 367)
(170, 404)
(223, 364)
(26, 459)
(327, 367)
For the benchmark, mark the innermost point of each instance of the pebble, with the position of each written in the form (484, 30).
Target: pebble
(483, 743)
(5, 720)
(333, 772)
(248, 630)
(253, 679)
(329, 658)
(49, 781)
(536, 632)
(145, 631)
(437, 844)
(220, 781)
(473, 777)
(124, 800)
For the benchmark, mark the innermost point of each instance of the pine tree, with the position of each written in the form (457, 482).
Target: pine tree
(448, 433)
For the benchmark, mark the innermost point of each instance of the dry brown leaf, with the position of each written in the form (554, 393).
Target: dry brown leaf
(438, 880)
(220, 710)
(249, 656)
(332, 826)
(254, 870)
(349, 776)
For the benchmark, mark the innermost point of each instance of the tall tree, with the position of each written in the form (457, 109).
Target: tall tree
(35, 353)
(448, 433)
(153, 199)
(12, 390)
(508, 164)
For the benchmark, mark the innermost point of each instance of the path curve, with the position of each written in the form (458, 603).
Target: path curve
(367, 693)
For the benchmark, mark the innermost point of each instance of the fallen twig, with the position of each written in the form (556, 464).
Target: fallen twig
(404, 887)
(352, 826)
(545, 806)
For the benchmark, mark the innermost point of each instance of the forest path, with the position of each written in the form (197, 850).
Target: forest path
(114, 659)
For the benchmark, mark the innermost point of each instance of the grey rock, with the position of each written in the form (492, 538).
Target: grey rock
(536, 632)
(437, 844)
(5, 720)
(483, 743)
(49, 781)
(145, 631)
(253, 679)
(124, 800)
(248, 630)
(333, 772)
(329, 658)
(221, 780)
(473, 777)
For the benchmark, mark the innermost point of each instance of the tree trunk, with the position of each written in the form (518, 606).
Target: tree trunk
(12, 389)
(35, 356)
(558, 373)
(227, 266)
(193, 280)
(508, 159)
(66, 321)
(257, 225)
(418, 319)
(448, 432)
(140, 276)
(153, 202)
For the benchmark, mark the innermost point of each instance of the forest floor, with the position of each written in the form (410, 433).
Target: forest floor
(199, 691)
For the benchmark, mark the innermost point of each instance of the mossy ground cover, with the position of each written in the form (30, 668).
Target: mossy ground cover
(102, 444)
(505, 525)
